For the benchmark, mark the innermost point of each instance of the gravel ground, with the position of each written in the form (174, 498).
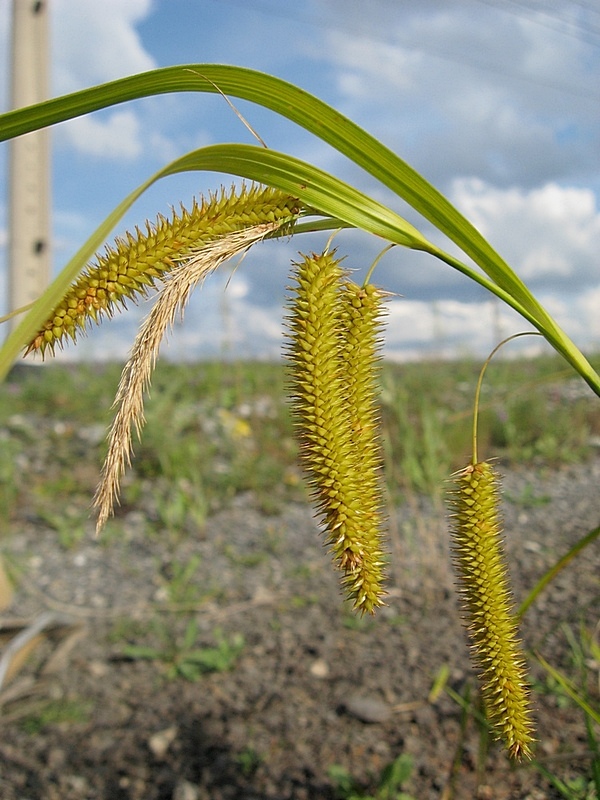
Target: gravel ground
(312, 686)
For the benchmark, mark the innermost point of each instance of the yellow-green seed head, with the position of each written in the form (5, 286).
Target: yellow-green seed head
(331, 448)
(362, 322)
(484, 590)
(130, 268)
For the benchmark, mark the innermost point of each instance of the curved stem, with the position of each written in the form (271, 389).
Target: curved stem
(480, 383)
(374, 264)
(553, 334)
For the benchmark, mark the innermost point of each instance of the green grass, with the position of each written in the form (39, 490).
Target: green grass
(388, 785)
(215, 430)
(182, 657)
(55, 712)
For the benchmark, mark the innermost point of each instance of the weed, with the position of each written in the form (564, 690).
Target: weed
(9, 482)
(527, 498)
(249, 761)
(181, 657)
(69, 524)
(187, 470)
(178, 583)
(303, 600)
(54, 712)
(388, 786)
(580, 691)
(354, 623)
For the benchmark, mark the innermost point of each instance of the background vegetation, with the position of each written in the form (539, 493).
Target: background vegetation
(228, 431)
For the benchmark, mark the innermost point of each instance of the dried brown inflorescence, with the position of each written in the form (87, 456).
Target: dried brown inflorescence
(254, 215)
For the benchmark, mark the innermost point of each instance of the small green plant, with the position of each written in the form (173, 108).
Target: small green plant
(54, 712)
(181, 657)
(527, 498)
(388, 787)
(9, 483)
(249, 761)
(179, 583)
(418, 458)
(581, 691)
(70, 524)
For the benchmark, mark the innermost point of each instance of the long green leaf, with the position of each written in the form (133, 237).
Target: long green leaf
(318, 189)
(549, 576)
(344, 206)
(306, 110)
(314, 187)
(568, 687)
(331, 126)
(331, 196)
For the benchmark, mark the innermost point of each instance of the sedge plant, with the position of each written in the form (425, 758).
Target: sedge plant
(334, 326)
(479, 560)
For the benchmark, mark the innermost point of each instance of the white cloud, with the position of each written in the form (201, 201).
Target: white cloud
(490, 93)
(117, 136)
(547, 234)
(446, 327)
(587, 311)
(577, 313)
(94, 42)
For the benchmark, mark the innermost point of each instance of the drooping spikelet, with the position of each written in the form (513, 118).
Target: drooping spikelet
(135, 379)
(130, 268)
(484, 589)
(362, 322)
(330, 430)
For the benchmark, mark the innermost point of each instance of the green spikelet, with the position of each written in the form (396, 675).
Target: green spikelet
(130, 268)
(322, 402)
(361, 316)
(484, 589)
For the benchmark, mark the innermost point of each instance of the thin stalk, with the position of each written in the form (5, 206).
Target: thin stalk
(374, 264)
(480, 382)
(568, 688)
(554, 570)
(547, 327)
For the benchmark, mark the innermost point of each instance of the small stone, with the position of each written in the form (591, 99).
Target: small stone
(186, 791)
(160, 742)
(319, 668)
(98, 669)
(368, 709)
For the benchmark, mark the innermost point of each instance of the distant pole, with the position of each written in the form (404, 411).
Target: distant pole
(29, 159)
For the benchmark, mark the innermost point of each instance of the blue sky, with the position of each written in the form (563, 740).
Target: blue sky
(497, 103)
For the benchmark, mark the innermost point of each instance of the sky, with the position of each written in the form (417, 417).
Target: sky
(495, 102)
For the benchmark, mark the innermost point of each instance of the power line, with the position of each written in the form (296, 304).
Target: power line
(431, 49)
(592, 7)
(566, 26)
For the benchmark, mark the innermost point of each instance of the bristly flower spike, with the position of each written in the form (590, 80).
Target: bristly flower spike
(131, 268)
(487, 602)
(331, 431)
(479, 561)
(362, 322)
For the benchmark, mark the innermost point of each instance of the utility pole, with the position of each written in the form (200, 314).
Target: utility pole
(29, 159)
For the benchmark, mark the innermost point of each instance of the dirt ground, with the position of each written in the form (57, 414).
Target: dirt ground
(312, 686)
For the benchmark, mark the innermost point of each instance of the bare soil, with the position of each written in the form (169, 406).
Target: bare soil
(313, 686)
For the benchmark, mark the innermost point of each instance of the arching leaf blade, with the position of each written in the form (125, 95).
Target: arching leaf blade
(314, 187)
